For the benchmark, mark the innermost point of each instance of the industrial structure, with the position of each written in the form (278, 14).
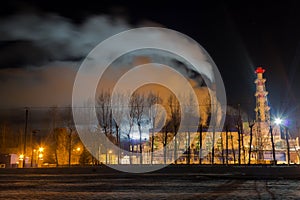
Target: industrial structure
(271, 137)
(262, 110)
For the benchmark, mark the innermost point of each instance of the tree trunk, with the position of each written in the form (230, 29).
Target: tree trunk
(222, 150)
(56, 148)
(188, 161)
(118, 142)
(239, 143)
(243, 147)
(250, 144)
(152, 141)
(213, 148)
(130, 145)
(226, 145)
(141, 145)
(287, 146)
(152, 147)
(25, 137)
(165, 146)
(232, 146)
(105, 146)
(273, 146)
(70, 147)
(200, 144)
(175, 148)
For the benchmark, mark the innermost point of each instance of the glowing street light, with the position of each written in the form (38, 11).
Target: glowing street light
(21, 157)
(41, 149)
(40, 155)
(282, 123)
(278, 121)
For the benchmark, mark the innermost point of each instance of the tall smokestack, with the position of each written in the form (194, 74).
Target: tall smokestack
(262, 109)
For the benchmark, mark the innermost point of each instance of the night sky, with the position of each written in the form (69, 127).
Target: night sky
(238, 36)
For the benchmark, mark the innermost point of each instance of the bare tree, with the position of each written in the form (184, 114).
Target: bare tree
(287, 145)
(226, 143)
(54, 116)
(68, 122)
(175, 116)
(239, 127)
(232, 147)
(137, 103)
(118, 112)
(189, 122)
(213, 121)
(62, 150)
(250, 124)
(239, 144)
(130, 121)
(222, 149)
(200, 130)
(166, 137)
(273, 145)
(104, 116)
(152, 100)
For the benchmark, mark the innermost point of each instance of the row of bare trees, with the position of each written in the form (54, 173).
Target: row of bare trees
(119, 124)
(119, 121)
(124, 124)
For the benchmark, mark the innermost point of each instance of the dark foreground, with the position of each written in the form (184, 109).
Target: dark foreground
(174, 182)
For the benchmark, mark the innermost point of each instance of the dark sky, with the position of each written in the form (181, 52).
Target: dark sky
(238, 36)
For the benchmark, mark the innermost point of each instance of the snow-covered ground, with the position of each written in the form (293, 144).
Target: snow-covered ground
(149, 186)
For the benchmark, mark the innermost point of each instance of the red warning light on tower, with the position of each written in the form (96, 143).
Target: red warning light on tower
(259, 70)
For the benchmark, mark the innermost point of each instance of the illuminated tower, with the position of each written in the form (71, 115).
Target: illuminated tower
(262, 109)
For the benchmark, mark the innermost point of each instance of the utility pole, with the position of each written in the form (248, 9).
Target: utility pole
(25, 136)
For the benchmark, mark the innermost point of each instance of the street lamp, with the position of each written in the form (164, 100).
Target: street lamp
(40, 155)
(21, 158)
(280, 123)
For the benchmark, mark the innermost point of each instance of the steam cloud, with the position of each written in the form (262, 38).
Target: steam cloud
(56, 46)
(53, 44)
(59, 37)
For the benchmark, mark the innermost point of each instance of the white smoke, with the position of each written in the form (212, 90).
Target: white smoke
(61, 38)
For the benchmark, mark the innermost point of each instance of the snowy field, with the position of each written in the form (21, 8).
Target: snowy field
(147, 186)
